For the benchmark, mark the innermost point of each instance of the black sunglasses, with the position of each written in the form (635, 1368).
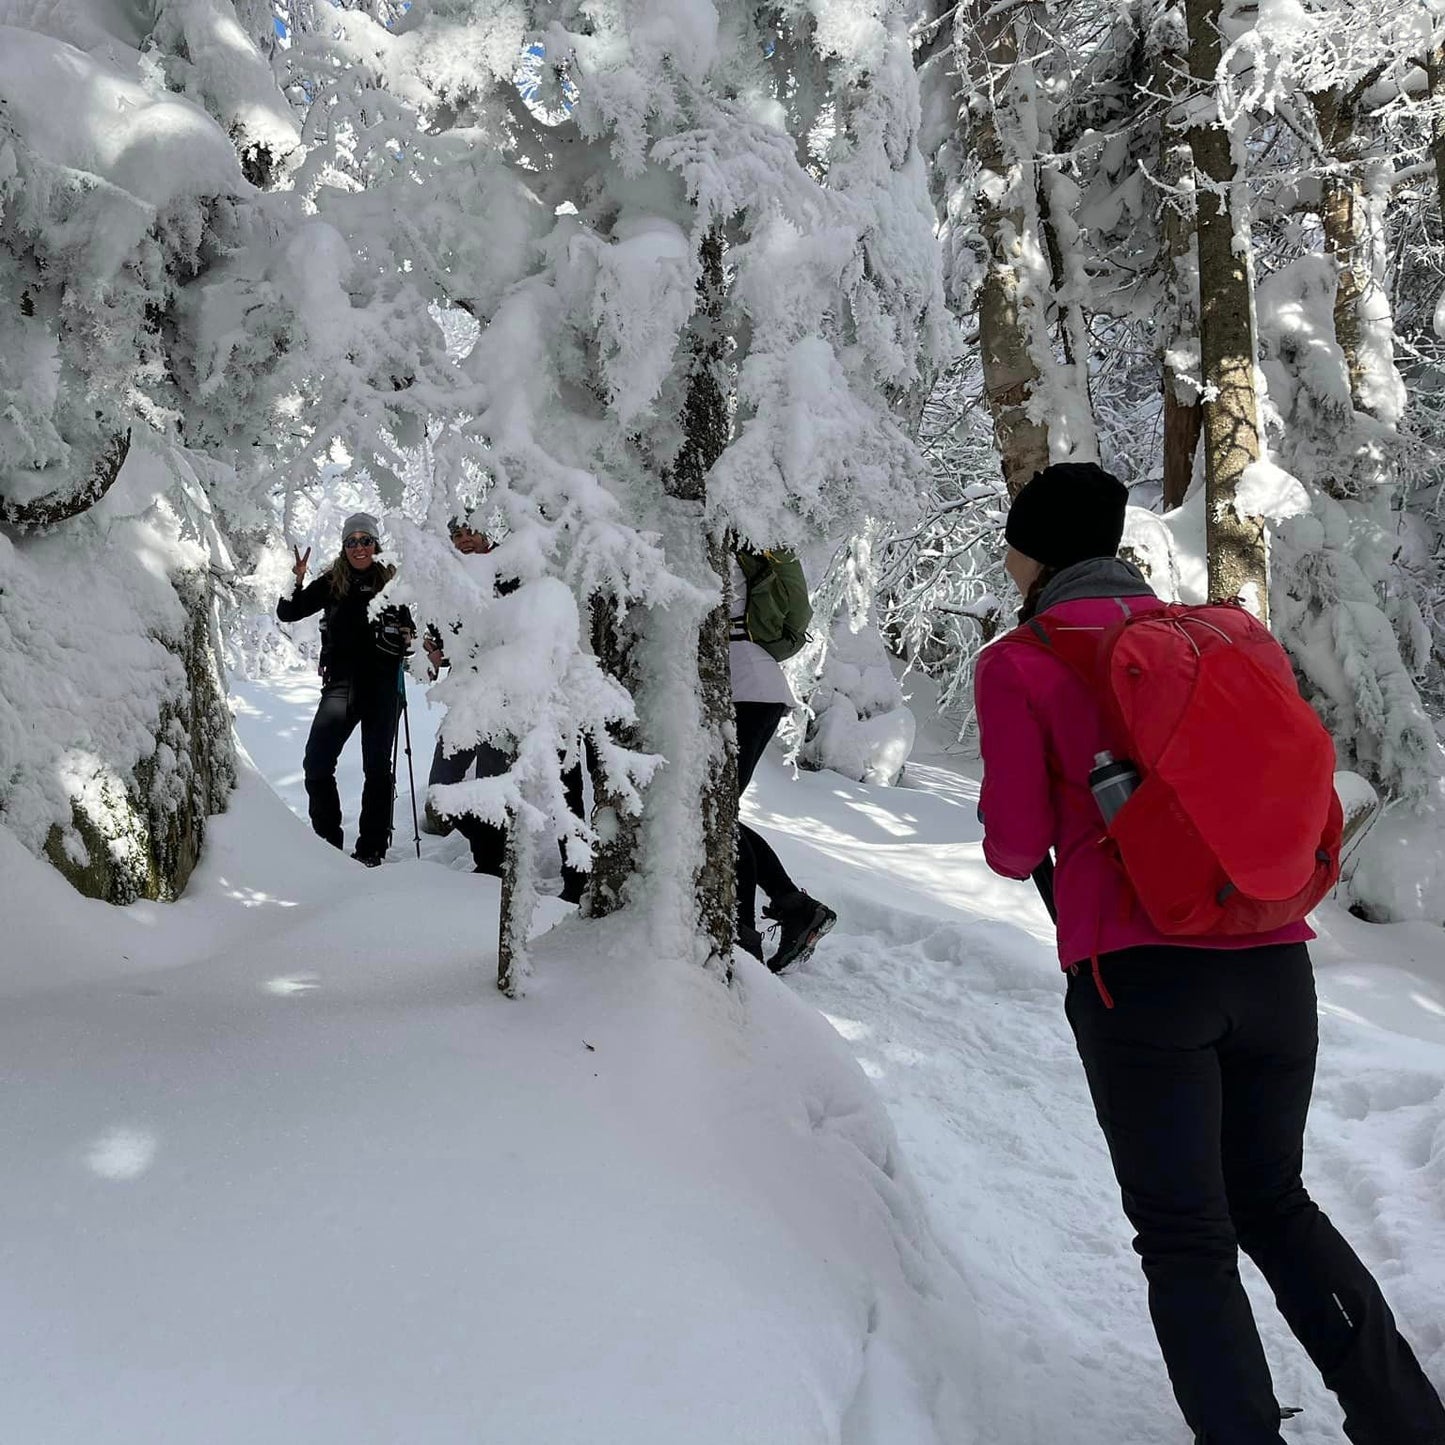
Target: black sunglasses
(359, 540)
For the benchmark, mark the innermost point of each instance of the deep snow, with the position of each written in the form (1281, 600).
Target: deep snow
(282, 1165)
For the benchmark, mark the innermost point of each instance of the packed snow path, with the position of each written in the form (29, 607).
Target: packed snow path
(281, 1164)
(942, 978)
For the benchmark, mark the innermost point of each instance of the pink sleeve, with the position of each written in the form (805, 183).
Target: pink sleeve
(1016, 803)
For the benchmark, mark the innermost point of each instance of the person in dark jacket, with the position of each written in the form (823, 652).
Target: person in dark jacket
(1199, 1052)
(361, 659)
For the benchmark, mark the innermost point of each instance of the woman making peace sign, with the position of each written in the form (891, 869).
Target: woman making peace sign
(360, 682)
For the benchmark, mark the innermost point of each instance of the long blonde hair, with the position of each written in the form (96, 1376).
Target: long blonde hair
(342, 572)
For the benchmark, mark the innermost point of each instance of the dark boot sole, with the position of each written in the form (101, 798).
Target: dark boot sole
(822, 922)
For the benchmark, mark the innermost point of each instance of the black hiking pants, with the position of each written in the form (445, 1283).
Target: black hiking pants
(374, 703)
(758, 865)
(488, 840)
(1201, 1077)
(574, 880)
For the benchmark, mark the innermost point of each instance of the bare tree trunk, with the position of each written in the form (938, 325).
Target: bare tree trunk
(1183, 424)
(619, 645)
(1342, 202)
(1237, 547)
(57, 507)
(518, 898)
(1183, 407)
(614, 859)
(1435, 70)
(705, 430)
(1010, 373)
(1351, 214)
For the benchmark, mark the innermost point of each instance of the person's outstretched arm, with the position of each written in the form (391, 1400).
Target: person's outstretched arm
(1015, 804)
(303, 601)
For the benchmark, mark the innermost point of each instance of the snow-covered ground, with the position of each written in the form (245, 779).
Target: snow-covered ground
(281, 1165)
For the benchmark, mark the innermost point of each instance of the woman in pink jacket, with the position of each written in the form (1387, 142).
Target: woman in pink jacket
(1199, 1053)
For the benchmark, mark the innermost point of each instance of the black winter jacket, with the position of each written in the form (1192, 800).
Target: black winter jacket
(348, 635)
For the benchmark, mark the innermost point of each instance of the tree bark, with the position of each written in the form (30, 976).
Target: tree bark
(1435, 72)
(617, 641)
(1352, 216)
(57, 507)
(1010, 373)
(614, 858)
(1237, 546)
(1342, 200)
(1183, 408)
(1183, 424)
(705, 433)
(517, 902)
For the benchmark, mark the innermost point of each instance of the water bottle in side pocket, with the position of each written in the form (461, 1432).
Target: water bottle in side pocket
(1111, 783)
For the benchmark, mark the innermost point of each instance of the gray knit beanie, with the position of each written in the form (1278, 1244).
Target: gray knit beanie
(362, 522)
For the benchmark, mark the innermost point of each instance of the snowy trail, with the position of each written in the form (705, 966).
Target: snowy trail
(942, 980)
(282, 1165)
(942, 983)
(942, 977)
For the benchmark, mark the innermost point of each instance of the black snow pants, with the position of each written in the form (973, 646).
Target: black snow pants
(758, 865)
(1201, 1077)
(488, 840)
(374, 703)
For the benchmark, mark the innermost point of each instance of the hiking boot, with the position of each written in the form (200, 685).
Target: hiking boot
(369, 860)
(433, 824)
(750, 941)
(802, 922)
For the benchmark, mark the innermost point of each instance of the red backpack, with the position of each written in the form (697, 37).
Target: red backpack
(1235, 826)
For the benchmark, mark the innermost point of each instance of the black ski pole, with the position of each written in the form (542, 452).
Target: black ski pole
(410, 771)
(1043, 877)
(395, 742)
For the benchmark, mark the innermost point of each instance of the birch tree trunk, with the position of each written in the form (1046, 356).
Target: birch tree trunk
(1237, 548)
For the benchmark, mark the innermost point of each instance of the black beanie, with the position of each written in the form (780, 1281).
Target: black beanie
(1068, 513)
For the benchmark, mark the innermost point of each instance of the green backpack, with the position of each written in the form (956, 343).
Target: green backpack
(778, 610)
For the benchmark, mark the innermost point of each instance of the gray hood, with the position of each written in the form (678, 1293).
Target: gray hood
(1098, 577)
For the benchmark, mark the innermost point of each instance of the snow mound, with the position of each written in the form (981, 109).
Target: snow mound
(290, 1168)
(861, 726)
(1399, 874)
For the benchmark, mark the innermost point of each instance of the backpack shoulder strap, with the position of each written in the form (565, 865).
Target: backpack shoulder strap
(751, 564)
